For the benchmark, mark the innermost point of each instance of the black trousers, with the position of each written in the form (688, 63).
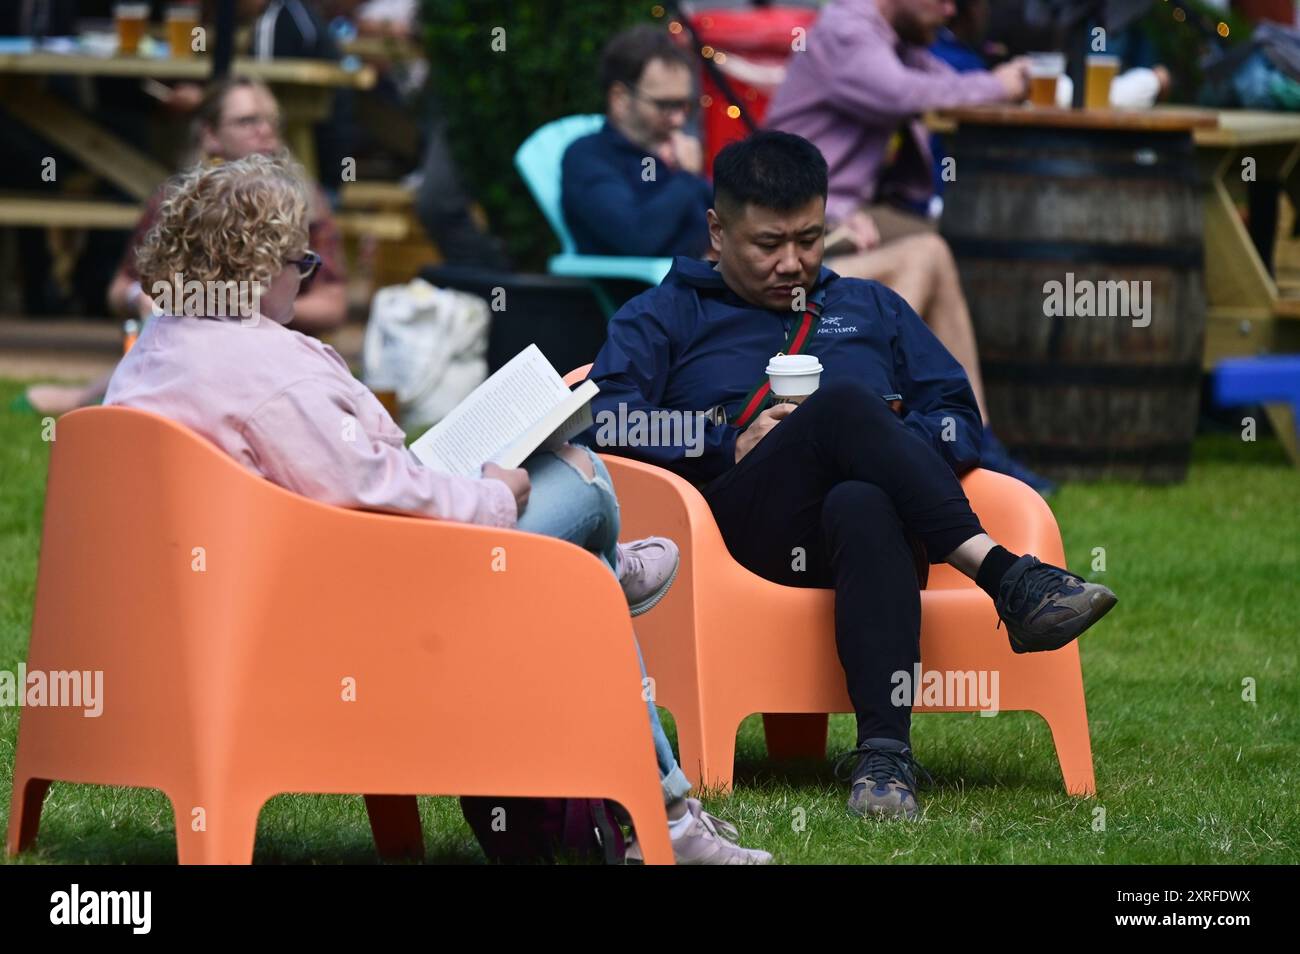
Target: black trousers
(834, 496)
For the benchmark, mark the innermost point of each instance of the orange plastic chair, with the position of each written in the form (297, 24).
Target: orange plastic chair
(726, 643)
(255, 642)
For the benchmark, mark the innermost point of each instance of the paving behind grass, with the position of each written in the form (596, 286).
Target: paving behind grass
(1208, 575)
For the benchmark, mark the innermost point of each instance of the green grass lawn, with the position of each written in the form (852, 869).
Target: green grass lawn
(1208, 575)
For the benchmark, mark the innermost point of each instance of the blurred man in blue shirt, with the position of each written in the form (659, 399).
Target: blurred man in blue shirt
(634, 187)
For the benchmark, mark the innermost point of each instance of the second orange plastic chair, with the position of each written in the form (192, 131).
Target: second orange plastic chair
(725, 643)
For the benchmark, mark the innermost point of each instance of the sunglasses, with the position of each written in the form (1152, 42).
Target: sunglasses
(307, 267)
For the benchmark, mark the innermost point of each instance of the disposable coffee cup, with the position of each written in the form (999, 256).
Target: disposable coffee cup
(793, 376)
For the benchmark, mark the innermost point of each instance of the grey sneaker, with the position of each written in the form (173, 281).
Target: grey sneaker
(707, 841)
(883, 780)
(646, 569)
(1046, 607)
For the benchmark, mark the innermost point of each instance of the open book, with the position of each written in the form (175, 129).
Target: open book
(523, 407)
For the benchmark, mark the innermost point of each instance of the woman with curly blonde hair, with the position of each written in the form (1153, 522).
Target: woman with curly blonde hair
(230, 231)
(238, 116)
(224, 263)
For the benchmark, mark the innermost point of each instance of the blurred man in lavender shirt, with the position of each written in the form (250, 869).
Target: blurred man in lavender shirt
(866, 74)
(857, 90)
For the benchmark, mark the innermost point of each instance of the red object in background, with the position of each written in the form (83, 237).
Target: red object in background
(1279, 11)
(755, 45)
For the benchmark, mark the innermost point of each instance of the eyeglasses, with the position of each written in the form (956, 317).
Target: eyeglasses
(307, 266)
(666, 107)
(254, 120)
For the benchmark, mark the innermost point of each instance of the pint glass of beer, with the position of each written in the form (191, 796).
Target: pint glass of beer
(1044, 68)
(131, 19)
(1102, 68)
(182, 18)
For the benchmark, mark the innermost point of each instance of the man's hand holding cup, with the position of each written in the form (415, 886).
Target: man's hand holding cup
(792, 377)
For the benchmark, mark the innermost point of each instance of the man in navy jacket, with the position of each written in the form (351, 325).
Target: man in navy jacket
(693, 343)
(845, 489)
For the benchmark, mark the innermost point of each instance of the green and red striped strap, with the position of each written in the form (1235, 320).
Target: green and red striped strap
(800, 335)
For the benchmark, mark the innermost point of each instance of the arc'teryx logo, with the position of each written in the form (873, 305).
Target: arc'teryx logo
(830, 325)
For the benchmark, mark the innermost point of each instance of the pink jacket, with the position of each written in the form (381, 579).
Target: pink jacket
(286, 407)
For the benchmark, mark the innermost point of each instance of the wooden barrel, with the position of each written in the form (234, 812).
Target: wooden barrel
(1081, 255)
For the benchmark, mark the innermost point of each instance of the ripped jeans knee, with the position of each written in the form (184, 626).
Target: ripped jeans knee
(565, 503)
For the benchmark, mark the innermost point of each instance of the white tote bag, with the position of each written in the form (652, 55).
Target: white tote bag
(429, 345)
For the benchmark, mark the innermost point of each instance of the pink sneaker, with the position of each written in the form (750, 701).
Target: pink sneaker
(708, 841)
(646, 569)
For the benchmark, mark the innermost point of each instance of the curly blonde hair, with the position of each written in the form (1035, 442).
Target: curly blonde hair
(234, 222)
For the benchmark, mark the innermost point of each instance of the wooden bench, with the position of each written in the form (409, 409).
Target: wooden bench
(376, 195)
(388, 240)
(62, 211)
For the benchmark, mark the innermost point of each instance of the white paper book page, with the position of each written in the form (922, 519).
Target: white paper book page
(499, 411)
(564, 421)
(575, 423)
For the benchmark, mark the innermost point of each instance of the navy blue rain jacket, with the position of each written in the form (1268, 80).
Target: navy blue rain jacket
(691, 343)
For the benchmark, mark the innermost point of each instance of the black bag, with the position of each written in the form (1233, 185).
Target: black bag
(529, 830)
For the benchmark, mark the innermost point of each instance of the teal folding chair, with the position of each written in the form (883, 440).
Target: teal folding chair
(538, 161)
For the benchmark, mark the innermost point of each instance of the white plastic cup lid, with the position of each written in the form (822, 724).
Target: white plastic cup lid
(783, 364)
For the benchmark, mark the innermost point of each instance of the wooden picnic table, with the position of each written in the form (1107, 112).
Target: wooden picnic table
(1241, 157)
(304, 89)
(384, 49)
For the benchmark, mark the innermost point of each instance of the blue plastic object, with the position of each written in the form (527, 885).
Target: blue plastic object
(1259, 380)
(538, 161)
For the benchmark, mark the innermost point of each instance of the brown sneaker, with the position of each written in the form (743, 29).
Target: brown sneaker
(1046, 607)
(883, 780)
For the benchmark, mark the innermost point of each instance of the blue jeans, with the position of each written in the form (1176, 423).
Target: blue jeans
(563, 503)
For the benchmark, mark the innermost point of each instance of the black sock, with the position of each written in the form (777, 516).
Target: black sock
(989, 576)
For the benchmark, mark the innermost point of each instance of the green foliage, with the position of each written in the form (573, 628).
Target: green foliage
(494, 98)
(1181, 46)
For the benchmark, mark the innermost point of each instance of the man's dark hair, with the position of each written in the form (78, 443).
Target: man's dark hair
(626, 55)
(771, 169)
